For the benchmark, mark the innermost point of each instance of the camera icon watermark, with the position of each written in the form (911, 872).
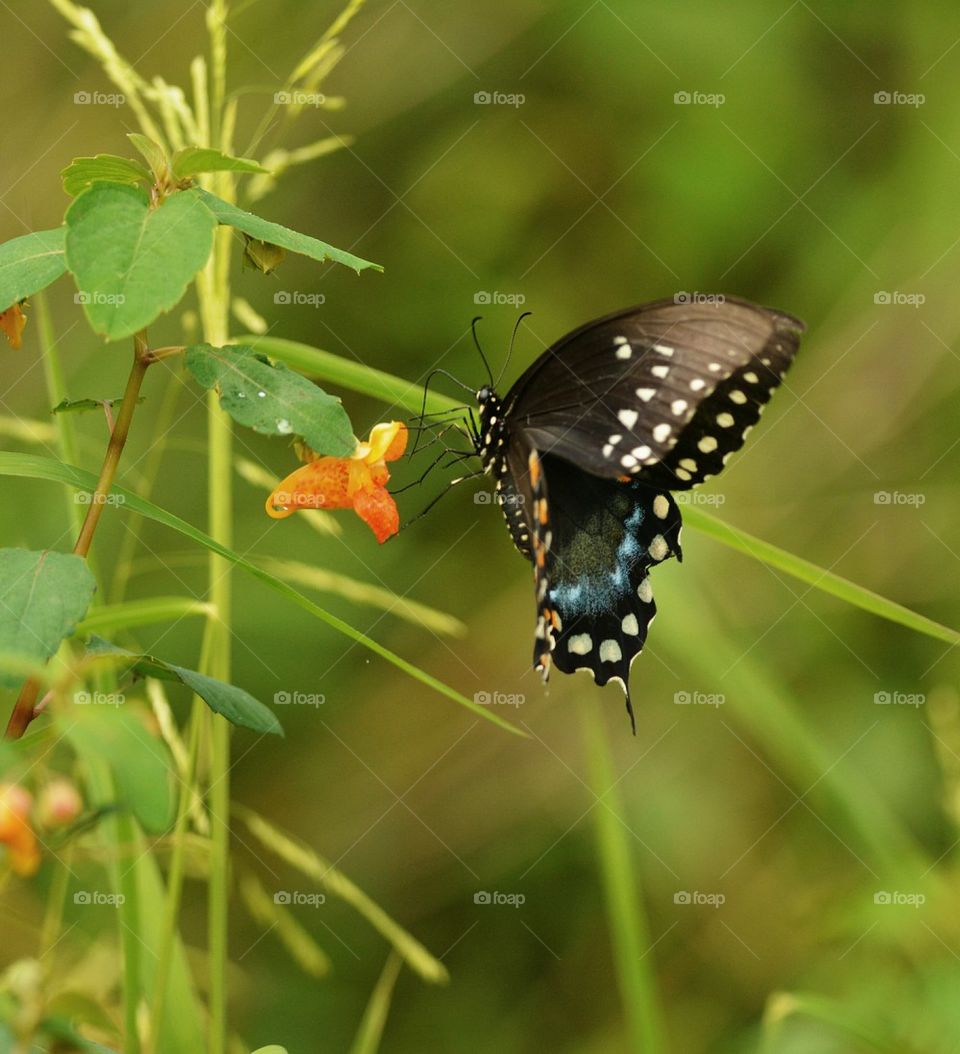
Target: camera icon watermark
(299, 699)
(898, 298)
(99, 98)
(299, 98)
(699, 497)
(513, 900)
(899, 98)
(499, 698)
(899, 497)
(84, 297)
(496, 296)
(695, 896)
(896, 698)
(896, 897)
(99, 698)
(499, 98)
(695, 297)
(699, 98)
(297, 898)
(84, 497)
(96, 897)
(296, 298)
(695, 698)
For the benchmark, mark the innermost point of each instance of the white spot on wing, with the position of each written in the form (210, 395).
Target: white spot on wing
(725, 420)
(707, 445)
(662, 432)
(630, 626)
(646, 394)
(661, 507)
(628, 418)
(610, 651)
(580, 644)
(658, 548)
(645, 590)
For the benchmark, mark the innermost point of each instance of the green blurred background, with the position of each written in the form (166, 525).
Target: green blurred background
(799, 799)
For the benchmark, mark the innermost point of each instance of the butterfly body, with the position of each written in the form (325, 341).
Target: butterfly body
(587, 446)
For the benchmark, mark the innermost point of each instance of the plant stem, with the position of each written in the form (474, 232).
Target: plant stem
(26, 701)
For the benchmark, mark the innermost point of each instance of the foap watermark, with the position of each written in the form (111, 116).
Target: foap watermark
(299, 98)
(899, 897)
(488, 497)
(899, 698)
(898, 298)
(298, 898)
(899, 497)
(696, 896)
(497, 296)
(296, 298)
(99, 98)
(513, 900)
(83, 296)
(699, 698)
(499, 98)
(84, 497)
(699, 98)
(86, 897)
(99, 698)
(899, 98)
(299, 699)
(694, 297)
(699, 497)
(499, 699)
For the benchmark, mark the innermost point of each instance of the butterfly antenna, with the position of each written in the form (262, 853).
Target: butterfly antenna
(476, 342)
(526, 314)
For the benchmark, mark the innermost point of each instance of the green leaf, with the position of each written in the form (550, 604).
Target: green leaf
(265, 231)
(29, 263)
(106, 168)
(154, 153)
(109, 617)
(72, 406)
(195, 159)
(31, 466)
(131, 261)
(233, 703)
(140, 763)
(367, 1040)
(42, 597)
(273, 400)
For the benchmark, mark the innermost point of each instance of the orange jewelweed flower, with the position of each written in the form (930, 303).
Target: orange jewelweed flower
(12, 322)
(16, 834)
(357, 482)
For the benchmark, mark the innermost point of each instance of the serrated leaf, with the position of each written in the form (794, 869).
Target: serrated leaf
(195, 159)
(233, 703)
(133, 262)
(265, 231)
(271, 398)
(154, 154)
(29, 263)
(43, 595)
(140, 763)
(107, 168)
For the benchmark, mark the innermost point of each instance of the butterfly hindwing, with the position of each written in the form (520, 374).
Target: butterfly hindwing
(667, 390)
(594, 543)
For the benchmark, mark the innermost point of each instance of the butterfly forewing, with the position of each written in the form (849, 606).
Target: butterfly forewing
(655, 386)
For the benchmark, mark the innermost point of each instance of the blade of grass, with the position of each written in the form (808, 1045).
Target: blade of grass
(33, 467)
(625, 915)
(375, 1016)
(142, 613)
(360, 378)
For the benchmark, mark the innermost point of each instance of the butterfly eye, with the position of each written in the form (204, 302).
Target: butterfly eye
(483, 395)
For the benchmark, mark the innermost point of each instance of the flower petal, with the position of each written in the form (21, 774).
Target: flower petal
(12, 322)
(376, 507)
(323, 484)
(388, 440)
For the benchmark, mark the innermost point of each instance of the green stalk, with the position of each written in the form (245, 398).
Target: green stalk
(628, 925)
(175, 879)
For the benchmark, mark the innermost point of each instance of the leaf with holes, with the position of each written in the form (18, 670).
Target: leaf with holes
(133, 262)
(271, 398)
(233, 703)
(43, 595)
(29, 263)
(265, 231)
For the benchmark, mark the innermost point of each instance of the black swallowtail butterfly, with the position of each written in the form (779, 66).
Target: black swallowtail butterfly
(588, 444)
